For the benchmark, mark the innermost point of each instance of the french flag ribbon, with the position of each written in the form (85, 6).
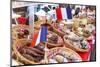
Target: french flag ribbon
(59, 14)
(40, 37)
(64, 13)
(69, 12)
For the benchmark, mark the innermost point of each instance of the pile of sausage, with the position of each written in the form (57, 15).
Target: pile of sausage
(35, 54)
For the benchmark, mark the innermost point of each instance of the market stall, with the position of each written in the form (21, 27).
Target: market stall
(44, 33)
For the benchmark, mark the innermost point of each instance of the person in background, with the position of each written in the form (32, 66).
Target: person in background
(82, 13)
(55, 24)
(91, 14)
(35, 18)
(77, 11)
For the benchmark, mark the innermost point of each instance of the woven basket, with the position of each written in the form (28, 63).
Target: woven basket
(85, 36)
(37, 24)
(60, 33)
(53, 29)
(15, 28)
(51, 45)
(18, 54)
(69, 45)
(67, 51)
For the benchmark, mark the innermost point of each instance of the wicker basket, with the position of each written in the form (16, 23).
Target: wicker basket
(69, 45)
(63, 50)
(85, 36)
(60, 33)
(51, 45)
(18, 54)
(37, 24)
(15, 28)
(53, 29)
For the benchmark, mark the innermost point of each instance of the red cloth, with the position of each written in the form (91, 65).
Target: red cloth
(21, 20)
(58, 13)
(86, 55)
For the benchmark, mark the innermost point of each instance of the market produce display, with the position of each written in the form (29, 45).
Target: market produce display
(29, 55)
(52, 33)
